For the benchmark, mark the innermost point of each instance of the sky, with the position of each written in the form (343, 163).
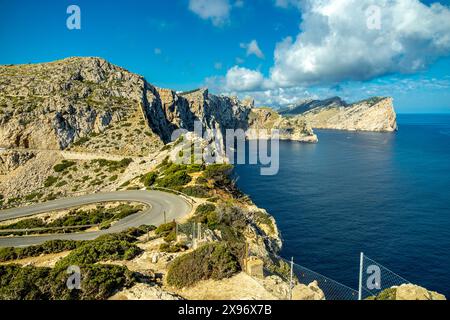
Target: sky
(276, 51)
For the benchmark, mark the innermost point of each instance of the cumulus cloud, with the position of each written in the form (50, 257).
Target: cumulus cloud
(336, 42)
(243, 79)
(217, 11)
(253, 49)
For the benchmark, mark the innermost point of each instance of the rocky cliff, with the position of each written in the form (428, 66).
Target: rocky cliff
(294, 129)
(375, 114)
(88, 104)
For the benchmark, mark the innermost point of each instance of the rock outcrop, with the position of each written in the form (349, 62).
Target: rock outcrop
(294, 129)
(306, 105)
(375, 114)
(407, 292)
(413, 292)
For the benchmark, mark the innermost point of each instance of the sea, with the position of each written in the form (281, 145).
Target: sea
(384, 194)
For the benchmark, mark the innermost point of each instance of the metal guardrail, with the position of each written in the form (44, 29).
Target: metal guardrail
(190, 199)
(49, 228)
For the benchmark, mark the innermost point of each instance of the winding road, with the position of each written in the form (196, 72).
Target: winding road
(174, 206)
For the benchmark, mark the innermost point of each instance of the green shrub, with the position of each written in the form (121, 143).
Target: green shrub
(102, 249)
(98, 282)
(112, 166)
(165, 229)
(197, 191)
(63, 166)
(211, 261)
(149, 179)
(217, 171)
(205, 208)
(49, 247)
(177, 179)
(51, 180)
(114, 178)
(173, 248)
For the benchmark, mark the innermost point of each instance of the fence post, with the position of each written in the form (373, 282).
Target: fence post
(290, 278)
(165, 220)
(361, 261)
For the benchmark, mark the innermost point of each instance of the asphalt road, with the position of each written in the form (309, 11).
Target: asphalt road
(174, 206)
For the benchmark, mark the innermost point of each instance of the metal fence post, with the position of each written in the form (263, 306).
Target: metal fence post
(361, 262)
(290, 278)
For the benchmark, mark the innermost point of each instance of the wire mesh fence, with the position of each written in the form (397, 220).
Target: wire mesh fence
(374, 278)
(193, 233)
(298, 277)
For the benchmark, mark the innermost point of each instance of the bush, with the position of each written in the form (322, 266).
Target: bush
(205, 208)
(113, 165)
(217, 172)
(178, 247)
(177, 179)
(98, 282)
(51, 180)
(54, 246)
(63, 166)
(149, 179)
(211, 261)
(165, 229)
(110, 247)
(197, 191)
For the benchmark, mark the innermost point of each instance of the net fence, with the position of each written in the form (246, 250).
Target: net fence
(299, 278)
(375, 278)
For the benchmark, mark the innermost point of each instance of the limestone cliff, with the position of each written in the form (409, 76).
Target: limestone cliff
(375, 114)
(88, 104)
(294, 129)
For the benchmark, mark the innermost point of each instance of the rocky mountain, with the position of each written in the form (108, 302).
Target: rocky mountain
(374, 114)
(310, 104)
(87, 104)
(294, 129)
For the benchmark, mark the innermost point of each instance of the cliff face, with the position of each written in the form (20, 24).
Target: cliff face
(376, 114)
(294, 129)
(52, 105)
(88, 104)
(307, 105)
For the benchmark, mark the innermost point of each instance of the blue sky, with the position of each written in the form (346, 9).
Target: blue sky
(241, 47)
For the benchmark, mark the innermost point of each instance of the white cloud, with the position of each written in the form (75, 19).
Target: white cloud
(157, 51)
(253, 49)
(243, 79)
(335, 43)
(217, 11)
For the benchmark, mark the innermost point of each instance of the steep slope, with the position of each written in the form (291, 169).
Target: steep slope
(294, 129)
(88, 104)
(307, 105)
(376, 114)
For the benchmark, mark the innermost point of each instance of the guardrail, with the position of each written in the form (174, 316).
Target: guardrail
(48, 228)
(190, 199)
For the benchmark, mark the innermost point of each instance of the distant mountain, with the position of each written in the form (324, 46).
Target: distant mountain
(307, 105)
(374, 114)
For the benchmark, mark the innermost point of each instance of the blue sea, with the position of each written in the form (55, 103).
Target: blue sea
(385, 194)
